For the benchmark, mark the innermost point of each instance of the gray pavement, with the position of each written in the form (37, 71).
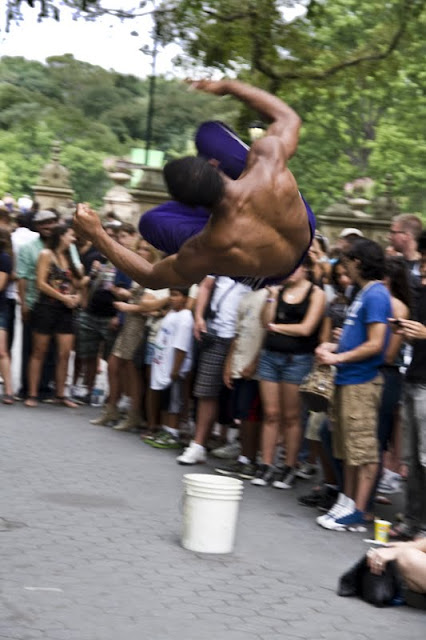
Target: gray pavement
(90, 549)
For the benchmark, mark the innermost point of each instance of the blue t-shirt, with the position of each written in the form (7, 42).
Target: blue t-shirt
(371, 305)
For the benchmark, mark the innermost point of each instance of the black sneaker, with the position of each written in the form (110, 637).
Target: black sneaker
(311, 499)
(264, 475)
(286, 478)
(230, 469)
(328, 499)
(248, 471)
(243, 470)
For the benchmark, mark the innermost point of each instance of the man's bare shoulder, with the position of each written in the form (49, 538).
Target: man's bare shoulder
(269, 148)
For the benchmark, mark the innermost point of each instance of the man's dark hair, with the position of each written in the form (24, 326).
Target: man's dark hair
(399, 283)
(422, 242)
(183, 290)
(371, 258)
(128, 227)
(194, 181)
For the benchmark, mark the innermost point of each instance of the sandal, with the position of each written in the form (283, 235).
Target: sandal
(8, 399)
(66, 402)
(31, 401)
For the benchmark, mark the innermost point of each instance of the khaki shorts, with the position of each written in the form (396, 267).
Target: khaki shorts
(354, 417)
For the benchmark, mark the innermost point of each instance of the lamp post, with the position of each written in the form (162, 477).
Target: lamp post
(151, 92)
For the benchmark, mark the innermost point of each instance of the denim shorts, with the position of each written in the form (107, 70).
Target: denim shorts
(149, 353)
(275, 366)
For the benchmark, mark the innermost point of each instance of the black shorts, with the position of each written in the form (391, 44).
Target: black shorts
(49, 319)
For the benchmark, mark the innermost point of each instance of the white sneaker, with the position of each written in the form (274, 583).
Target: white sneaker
(228, 451)
(194, 454)
(337, 511)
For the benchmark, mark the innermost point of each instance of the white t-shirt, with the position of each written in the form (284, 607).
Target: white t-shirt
(175, 332)
(224, 302)
(19, 237)
(152, 323)
(250, 331)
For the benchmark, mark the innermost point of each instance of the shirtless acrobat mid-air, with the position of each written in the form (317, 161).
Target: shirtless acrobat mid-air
(236, 211)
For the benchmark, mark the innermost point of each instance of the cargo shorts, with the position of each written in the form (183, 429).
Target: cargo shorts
(354, 415)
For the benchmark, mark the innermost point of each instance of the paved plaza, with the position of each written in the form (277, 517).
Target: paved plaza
(90, 535)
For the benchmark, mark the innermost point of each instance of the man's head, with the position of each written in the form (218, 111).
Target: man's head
(112, 227)
(365, 261)
(5, 218)
(404, 233)
(44, 221)
(127, 235)
(194, 181)
(347, 237)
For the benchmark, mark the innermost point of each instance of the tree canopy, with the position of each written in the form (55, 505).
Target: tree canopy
(94, 113)
(353, 70)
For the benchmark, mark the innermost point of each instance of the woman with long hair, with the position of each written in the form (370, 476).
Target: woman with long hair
(292, 315)
(6, 263)
(58, 284)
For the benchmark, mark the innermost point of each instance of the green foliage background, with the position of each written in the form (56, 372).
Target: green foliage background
(94, 114)
(353, 69)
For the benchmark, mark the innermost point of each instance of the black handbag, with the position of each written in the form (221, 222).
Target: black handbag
(379, 590)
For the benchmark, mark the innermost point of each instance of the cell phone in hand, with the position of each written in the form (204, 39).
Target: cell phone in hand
(396, 322)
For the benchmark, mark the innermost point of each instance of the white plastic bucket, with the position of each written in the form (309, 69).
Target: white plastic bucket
(210, 512)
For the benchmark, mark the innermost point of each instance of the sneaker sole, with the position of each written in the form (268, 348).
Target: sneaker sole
(259, 483)
(163, 445)
(190, 464)
(224, 472)
(245, 476)
(281, 485)
(305, 476)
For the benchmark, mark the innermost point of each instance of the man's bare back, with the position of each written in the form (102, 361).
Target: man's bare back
(259, 225)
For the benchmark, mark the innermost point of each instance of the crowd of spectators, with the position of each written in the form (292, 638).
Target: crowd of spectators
(217, 368)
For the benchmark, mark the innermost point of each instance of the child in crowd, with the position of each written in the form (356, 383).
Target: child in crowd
(172, 362)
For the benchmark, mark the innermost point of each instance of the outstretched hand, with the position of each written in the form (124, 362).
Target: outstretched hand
(217, 87)
(86, 221)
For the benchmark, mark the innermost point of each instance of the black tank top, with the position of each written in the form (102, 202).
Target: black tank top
(287, 313)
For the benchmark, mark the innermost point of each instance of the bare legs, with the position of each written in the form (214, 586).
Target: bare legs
(40, 346)
(207, 410)
(5, 364)
(282, 409)
(359, 482)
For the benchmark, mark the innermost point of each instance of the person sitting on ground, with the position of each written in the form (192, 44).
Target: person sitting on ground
(58, 283)
(258, 226)
(410, 558)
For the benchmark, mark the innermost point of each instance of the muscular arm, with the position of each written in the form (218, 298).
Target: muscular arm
(285, 123)
(190, 265)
